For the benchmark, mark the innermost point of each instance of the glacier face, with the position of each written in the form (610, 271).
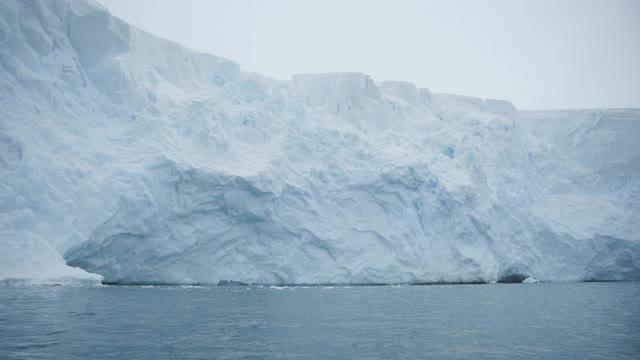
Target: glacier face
(145, 162)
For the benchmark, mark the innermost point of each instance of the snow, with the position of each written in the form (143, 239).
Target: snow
(136, 159)
(597, 192)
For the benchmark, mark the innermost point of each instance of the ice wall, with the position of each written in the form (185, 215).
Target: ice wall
(145, 162)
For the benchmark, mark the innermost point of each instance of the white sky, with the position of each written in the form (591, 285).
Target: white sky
(543, 54)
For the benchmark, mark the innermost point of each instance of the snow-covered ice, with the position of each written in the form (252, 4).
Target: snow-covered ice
(530, 280)
(142, 161)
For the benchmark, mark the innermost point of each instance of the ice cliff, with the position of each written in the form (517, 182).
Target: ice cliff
(130, 157)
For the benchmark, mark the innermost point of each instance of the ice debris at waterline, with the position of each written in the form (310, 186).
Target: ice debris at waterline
(134, 158)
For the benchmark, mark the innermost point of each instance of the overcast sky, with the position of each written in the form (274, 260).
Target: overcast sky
(542, 54)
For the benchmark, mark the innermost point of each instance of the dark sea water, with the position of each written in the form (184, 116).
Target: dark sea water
(536, 321)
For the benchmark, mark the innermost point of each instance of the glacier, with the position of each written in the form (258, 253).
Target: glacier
(127, 158)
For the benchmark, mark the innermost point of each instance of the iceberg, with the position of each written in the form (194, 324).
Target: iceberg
(128, 158)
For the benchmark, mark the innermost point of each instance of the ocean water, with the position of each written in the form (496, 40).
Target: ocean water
(537, 321)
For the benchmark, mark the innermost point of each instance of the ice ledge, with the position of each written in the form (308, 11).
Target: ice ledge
(95, 280)
(502, 107)
(498, 106)
(231, 283)
(334, 92)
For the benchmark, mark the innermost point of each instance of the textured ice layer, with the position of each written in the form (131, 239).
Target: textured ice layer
(143, 161)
